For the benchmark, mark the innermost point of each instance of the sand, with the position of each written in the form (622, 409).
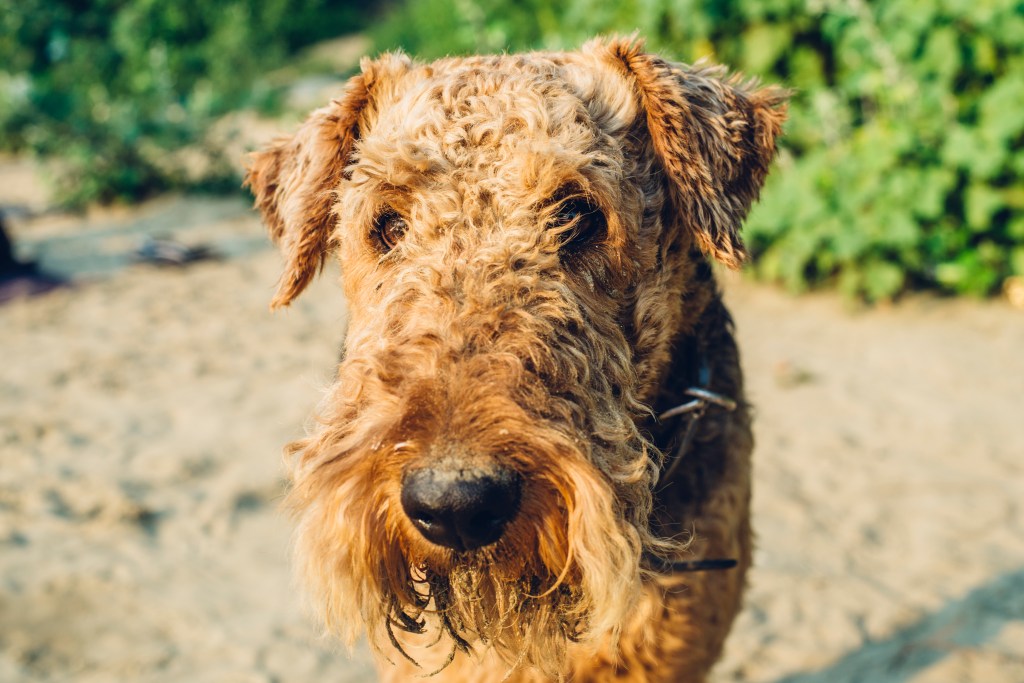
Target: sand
(143, 410)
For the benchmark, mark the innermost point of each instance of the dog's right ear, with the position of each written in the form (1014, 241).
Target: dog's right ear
(295, 180)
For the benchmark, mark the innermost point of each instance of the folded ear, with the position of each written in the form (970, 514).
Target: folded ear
(295, 180)
(714, 135)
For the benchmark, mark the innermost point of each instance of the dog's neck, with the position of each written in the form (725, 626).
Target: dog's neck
(705, 358)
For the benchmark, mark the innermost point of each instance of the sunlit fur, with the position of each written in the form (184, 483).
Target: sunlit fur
(478, 338)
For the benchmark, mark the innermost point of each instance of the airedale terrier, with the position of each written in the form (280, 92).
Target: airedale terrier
(534, 463)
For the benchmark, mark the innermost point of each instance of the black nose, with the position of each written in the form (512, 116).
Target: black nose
(462, 509)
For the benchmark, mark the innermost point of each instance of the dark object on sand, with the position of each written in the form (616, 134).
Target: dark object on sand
(18, 278)
(167, 252)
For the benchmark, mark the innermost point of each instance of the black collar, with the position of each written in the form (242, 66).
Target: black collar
(684, 399)
(699, 399)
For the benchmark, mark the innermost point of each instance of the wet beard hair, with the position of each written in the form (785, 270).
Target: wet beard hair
(525, 620)
(569, 570)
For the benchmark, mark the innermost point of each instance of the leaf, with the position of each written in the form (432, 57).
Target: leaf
(882, 279)
(763, 45)
(929, 201)
(981, 202)
(1017, 261)
(1002, 109)
(942, 53)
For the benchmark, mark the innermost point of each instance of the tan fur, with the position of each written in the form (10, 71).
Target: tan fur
(480, 336)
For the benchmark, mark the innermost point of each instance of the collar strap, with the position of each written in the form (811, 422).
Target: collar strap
(701, 398)
(668, 567)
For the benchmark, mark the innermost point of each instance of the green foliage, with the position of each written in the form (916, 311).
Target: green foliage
(118, 88)
(902, 164)
(903, 160)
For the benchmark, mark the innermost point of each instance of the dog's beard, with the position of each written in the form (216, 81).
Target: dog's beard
(542, 587)
(566, 571)
(525, 614)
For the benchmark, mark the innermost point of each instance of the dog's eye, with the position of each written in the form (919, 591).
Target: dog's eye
(579, 223)
(388, 229)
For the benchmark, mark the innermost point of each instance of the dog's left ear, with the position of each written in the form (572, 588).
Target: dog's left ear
(295, 179)
(713, 134)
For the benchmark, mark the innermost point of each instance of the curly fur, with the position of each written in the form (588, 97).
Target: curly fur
(479, 338)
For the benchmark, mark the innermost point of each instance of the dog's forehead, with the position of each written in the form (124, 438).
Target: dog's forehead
(502, 101)
(509, 123)
(468, 87)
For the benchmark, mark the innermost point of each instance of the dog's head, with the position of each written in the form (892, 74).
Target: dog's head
(518, 237)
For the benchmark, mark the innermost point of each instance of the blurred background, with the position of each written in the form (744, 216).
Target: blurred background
(145, 392)
(902, 164)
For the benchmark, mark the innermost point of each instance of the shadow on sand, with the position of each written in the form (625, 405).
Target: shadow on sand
(963, 624)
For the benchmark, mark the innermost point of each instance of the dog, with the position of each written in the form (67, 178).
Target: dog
(534, 463)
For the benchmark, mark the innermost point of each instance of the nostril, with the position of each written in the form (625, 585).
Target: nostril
(423, 518)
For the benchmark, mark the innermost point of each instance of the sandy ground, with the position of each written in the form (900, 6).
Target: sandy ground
(142, 414)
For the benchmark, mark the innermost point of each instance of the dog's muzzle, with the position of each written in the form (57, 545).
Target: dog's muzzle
(461, 508)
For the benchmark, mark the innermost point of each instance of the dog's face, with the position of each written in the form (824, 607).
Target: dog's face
(518, 237)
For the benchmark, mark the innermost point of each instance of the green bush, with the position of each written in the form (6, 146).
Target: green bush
(118, 88)
(902, 165)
